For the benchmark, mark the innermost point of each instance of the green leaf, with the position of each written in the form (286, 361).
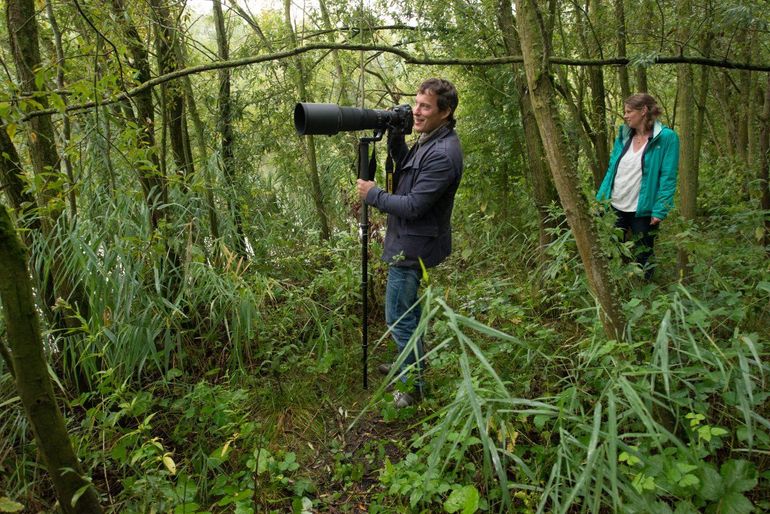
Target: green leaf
(78, 494)
(631, 460)
(685, 507)
(685, 468)
(718, 431)
(8, 505)
(711, 484)
(734, 503)
(738, 475)
(464, 500)
(689, 480)
(704, 433)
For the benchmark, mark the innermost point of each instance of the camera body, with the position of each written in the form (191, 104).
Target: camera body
(329, 119)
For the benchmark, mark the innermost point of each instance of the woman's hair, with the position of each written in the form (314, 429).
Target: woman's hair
(639, 100)
(446, 95)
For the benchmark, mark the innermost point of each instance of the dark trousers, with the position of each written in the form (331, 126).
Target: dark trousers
(643, 235)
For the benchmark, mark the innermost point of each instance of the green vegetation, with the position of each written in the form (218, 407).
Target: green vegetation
(202, 329)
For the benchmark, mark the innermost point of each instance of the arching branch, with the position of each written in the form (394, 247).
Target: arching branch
(407, 57)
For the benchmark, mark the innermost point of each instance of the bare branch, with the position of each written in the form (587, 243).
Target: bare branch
(407, 57)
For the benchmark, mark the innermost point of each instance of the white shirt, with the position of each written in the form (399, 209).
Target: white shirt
(628, 180)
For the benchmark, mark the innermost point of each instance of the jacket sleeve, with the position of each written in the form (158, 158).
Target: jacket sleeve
(436, 175)
(668, 175)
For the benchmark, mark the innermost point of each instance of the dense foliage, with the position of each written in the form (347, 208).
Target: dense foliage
(212, 362)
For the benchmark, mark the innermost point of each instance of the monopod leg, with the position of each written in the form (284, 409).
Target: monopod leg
(363, 226)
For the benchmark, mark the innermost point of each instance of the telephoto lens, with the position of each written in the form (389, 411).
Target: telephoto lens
(329, 119)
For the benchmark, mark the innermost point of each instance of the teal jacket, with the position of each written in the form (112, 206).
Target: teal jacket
(660, 164)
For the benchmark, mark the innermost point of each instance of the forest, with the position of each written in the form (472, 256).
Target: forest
(183, 309)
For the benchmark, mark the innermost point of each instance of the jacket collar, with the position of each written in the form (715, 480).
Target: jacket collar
(625, 131)
(435, 134)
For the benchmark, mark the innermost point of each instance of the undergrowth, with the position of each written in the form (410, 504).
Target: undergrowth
(243, 395)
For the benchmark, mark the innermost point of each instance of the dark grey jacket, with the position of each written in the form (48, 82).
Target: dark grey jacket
(420, 209)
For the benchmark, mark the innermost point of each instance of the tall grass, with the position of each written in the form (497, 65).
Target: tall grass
(633, 399)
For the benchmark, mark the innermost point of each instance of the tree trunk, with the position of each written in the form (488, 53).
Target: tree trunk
(225, 125)
(308, 141)
(598, 112)
(620, 20)
(23, 36)
(166, 42)
(32, 379)
(12, 182)
(152, 179)
(564, 174)
(66, 126)
(702, 97)
(764, 168)
(544, 193)
(344, 96)
(745, 100)
(685, 118)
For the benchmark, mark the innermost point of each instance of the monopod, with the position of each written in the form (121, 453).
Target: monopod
(329, 119)
(366, 171)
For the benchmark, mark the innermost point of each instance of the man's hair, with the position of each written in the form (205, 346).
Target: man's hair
(446, 95)
(638, 101)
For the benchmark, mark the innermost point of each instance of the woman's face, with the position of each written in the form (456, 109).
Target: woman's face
(635, 118)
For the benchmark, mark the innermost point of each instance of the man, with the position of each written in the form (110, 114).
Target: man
(419, 211)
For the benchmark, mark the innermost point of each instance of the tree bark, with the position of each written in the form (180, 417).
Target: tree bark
(544, 193)
(564, 174)
(308, 141)
(620, 20)
(166, 42)
(151, 178)
(13, 183)
(764, 168)
(685, 118)
(23, 36)
(598, 112)
(703, 85)
(225, 125)
(66, 125)
(32, 379)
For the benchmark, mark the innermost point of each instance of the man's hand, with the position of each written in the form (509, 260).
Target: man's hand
(363, 187)
(654, 221)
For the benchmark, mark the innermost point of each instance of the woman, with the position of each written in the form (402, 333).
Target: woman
(641, 179)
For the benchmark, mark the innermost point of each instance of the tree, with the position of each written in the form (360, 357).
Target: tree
(153, 182)
(225, 125)
(33, 383)
(23, 36)
(172, 95)
(620, 35)
(764, 168)
(539, 177)
(565, 177)
(685, 117)
(308, 142)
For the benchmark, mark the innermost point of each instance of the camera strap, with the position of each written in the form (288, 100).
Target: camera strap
(390, 174)
(372, 164)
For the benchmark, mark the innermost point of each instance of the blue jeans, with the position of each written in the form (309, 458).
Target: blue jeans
(400, 296)
(643, 234)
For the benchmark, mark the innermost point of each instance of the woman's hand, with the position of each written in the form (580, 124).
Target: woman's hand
(654, 221)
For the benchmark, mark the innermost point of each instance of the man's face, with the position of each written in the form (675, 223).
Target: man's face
(427, 116)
